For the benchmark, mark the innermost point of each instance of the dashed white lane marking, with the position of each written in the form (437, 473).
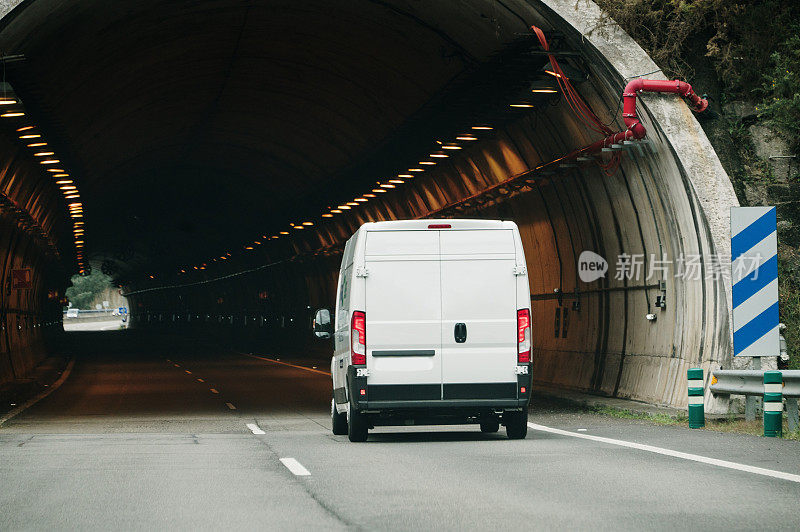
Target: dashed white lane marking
(214, 390)
(295, 467)
(188, 372)
(200, 380)
(255, 429)
(677, 454)
(581, 430)
(278, 361)
(229, 405)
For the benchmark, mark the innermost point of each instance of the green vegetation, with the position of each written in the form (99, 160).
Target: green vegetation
(621, 413)
(731, 424)
(84, 290)
(738, 51)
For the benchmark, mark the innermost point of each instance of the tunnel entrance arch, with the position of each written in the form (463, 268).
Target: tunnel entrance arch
(212, 126)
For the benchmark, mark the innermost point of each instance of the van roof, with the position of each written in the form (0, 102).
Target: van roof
(425, 224)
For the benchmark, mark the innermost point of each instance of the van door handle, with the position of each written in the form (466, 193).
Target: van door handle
(460, 333)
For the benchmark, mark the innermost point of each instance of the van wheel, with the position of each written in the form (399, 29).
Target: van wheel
(489, 426)
(516, 424)
(338, 421)
(357, 425)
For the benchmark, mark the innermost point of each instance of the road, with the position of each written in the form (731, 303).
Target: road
(155, 432)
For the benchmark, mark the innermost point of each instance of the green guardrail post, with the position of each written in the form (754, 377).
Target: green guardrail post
(773, 403)
(697, 416)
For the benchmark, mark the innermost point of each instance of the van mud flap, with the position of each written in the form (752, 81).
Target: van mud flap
(357, 388)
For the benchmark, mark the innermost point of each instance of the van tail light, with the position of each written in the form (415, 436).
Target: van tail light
(523, 336)
(358, 338)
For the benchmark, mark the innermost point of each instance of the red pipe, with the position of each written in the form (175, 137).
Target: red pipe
(654, 85)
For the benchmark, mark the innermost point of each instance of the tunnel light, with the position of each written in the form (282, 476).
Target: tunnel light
(387, 185)
(370, 196)
(482, 127)
(327, 215)
(249, 248)
(427, 163)
(284, 232)
(416, 169)
(407, 176)
(30, 136)
(37, 144)
(336, 211)
(467, 137)
(12, 113)
(298, 227)
(397, 181)
(76, 204)
(60, 175)
(451, 146)
(67, 187)
(257, 242)
(24, 128)
(56, 170)
(43, 153)
(49, 161)
(544, 91)
(308, 223)
(521, 105)
(439, 155)
(379, 190)
(64, 182)
(352, 203)
(72, 196)
(361, 200)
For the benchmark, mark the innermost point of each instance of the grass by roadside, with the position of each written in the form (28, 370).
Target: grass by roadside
(730, 424)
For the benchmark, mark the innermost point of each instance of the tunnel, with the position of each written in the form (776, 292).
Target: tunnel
(213, 156)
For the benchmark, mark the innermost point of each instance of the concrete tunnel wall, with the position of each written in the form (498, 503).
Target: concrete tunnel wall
(670, 198)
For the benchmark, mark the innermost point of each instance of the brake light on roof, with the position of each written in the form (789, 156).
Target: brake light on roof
(523, 336)
(439, 226)
(358, 338)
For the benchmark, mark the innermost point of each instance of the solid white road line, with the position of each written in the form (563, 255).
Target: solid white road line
(286, 364)
(669, 452)
(229, 405)
(255, 429)
(295, 467)
(50, 389)
(214, 390)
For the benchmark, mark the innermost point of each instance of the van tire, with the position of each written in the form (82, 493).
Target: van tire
(490, 426)
(357, 425)
(338, 421)
(516, 424)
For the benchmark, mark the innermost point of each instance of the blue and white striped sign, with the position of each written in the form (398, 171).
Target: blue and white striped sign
(754, 277)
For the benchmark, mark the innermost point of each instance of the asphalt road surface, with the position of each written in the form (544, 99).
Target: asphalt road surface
(152, 432)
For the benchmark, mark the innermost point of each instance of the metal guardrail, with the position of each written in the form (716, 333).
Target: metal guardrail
(751, 382)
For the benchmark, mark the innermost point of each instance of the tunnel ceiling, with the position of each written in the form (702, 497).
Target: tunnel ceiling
(192, 126)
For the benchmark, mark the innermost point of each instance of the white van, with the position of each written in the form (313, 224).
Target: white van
(432, 326)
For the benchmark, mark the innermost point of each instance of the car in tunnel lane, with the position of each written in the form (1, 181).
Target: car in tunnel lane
(431, 326)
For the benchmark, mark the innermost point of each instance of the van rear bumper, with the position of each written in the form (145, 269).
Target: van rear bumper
(444, 403)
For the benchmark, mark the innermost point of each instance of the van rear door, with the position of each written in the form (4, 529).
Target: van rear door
(403, 308)
(479, 297)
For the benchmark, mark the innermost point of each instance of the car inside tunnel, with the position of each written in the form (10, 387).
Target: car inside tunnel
(213, 156)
